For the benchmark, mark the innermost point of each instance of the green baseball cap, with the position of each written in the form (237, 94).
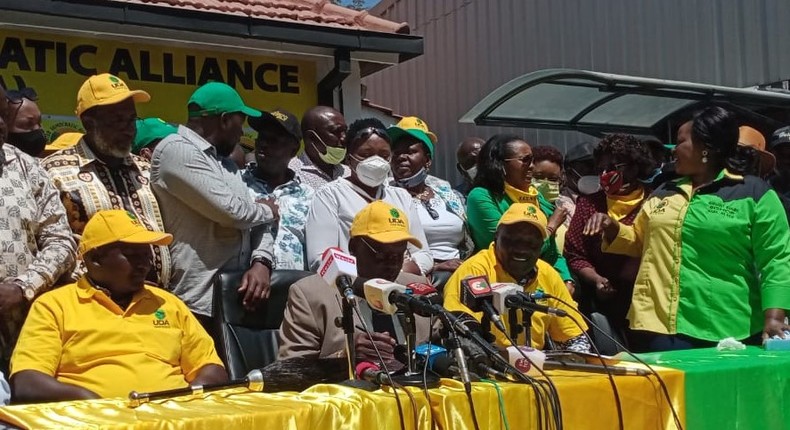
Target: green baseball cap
(216, 98)
(396, 133)
(149, 130)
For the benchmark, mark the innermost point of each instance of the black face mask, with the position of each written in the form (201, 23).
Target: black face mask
(30, 142)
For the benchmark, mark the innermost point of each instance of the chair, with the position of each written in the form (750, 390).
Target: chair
(248, 340)
(604, 344)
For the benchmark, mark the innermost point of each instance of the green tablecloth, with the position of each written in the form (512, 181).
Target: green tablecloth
(747, 389)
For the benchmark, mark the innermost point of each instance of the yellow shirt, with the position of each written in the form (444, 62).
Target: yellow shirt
(79, 336)
(484, 263)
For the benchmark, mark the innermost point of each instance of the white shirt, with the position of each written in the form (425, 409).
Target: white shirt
(333, 209)
(445, 233)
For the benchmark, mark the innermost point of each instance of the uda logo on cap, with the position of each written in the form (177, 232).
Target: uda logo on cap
(134, 219)
(116, 83)
(395, 217)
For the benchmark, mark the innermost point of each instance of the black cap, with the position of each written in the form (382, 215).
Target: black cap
(580, 152)
(277, 118)
(780, 137)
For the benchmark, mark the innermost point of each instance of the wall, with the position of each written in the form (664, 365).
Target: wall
(474, 46)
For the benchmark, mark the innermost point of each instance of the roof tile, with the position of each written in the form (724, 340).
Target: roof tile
(315, 12)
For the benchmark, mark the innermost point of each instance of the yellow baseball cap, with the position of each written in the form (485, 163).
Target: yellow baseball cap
(525, 212)
(106, 89)
(111, 226)
(65, 140)
(412, 123)
(383, 223)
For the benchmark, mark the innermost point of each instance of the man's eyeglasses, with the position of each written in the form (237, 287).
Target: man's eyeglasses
(16, 96)
(527, 159)
(381, 255)
(365, 134)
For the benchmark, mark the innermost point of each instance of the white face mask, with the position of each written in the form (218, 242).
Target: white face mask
(372, 171)
(472, 172)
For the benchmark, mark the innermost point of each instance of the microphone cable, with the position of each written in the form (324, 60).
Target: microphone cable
(661, 383)
(467, 388)
(501, 401)
(608, 371)
(552, 404)
(383, 366)
(431, 321)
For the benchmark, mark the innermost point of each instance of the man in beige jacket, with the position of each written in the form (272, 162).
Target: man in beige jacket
(379, 235)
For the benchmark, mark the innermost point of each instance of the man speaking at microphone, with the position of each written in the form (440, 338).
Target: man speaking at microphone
(379, 236)
(110, 332)
(513, 258)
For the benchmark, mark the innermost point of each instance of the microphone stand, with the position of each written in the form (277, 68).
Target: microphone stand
(253, 381)
(347, 323)
(413, 377)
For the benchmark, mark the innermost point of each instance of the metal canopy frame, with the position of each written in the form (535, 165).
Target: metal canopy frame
(599, 103)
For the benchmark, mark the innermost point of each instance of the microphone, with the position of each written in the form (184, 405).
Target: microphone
(427, 292)
(338, 268)
(372, 373)
(528, 367)
(522, 300)
(476, 294)
(387, 297)
(253, 381)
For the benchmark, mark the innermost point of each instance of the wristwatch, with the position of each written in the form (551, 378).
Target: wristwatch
(263, 260)
(27, 290)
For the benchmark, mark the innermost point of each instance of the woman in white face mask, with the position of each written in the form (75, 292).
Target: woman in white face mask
(335, 205)
(441, 211)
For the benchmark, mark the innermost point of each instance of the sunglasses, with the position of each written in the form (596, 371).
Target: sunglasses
(365, 134)
(16, 96)
(527, 159)
(380, 255)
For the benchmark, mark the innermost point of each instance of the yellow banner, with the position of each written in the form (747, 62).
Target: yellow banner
(56, 65)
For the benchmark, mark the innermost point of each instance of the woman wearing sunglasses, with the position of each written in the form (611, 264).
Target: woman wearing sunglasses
(334, 206)
(504, 177)
(441, 212)
(607, 280)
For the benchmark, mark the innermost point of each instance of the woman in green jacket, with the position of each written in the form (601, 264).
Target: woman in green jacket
(505, 177)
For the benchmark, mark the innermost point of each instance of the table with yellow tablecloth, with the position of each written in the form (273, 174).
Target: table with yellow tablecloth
(587, 403)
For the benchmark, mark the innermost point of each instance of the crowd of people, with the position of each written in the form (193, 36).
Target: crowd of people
(112, 238)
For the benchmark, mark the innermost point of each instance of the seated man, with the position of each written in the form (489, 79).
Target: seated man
(513, 258)
(379, 234)
(110, 333)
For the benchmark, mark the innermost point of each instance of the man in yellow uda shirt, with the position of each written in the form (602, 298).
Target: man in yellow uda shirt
(513, 258)
(110, 333)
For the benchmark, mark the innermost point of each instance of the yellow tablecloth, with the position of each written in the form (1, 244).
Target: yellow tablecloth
(587, 403)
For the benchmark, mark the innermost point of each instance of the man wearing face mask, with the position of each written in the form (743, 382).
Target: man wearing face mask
(335, 205)
(608, 279)
(466, 157)
(206, 205)
(100, 172)
(24, 122)
(324, 135)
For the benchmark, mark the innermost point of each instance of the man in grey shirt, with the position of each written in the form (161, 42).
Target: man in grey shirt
(205, 204)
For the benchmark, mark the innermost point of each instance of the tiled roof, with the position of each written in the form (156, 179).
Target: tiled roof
(311, 12)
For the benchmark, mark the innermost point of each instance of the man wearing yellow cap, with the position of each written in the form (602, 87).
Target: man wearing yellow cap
(379, 234)
(513, 257)
(100, 172)
(111, 332)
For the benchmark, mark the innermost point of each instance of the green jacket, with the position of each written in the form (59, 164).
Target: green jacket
(483, 210)
(713, 259)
